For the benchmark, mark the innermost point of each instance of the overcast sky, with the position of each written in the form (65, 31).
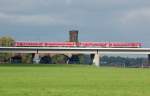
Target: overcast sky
(96, 20)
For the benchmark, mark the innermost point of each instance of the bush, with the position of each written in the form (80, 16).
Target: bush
(59, 59)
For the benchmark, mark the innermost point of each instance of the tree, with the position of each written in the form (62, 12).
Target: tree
(27, 58)
(46, 60)
(81, 59)
(5, 57)
(59, 59)
(6, 42)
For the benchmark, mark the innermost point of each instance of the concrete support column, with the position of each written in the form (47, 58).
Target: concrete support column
(69, 56)
(92, 58)
(148, 59)
(36, 58)
(96, 60)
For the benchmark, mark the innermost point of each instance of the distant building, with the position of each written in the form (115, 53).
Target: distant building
(73, 36)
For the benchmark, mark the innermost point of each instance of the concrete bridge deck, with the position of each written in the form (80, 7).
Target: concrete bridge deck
(74, 50)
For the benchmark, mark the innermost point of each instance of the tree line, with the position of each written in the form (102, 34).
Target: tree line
(124, 61)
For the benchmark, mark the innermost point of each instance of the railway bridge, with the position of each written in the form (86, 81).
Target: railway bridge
(96, 52)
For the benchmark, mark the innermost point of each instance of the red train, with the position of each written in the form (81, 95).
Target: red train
(80, 44)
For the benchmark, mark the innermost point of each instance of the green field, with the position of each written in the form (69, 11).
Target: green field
(73, 80)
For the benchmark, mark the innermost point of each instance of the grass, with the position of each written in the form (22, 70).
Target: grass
(73, 80)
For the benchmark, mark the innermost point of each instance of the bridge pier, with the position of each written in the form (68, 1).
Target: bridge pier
(92, 58)
(96, 60)
(36, 58)
(148, 59)
(69, 56)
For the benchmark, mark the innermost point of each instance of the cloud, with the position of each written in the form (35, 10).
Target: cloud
(102, 20)
(137, 16)
(29, 6)
(68, 2)
(31, 20)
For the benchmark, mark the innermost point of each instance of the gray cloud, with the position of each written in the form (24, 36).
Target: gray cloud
(97, 20)
(32, 20)
(138, 17)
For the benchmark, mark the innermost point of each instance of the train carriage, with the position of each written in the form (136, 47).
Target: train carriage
(79, 44)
